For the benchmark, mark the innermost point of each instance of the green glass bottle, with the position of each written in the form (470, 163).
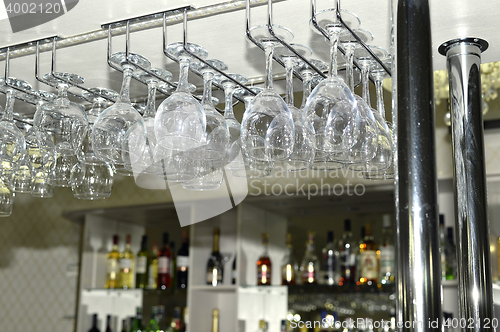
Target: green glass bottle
(142, 264)
(137, 324)
(154, 321)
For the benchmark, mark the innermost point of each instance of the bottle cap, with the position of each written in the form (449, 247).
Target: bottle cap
(387, 220)
(347, 225)
(441, 219)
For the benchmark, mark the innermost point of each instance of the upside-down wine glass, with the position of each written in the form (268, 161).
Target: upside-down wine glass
(385, 142)
(365, 148)
(267, 128)
(118, 135)
(331, 108)
(207, 158)
(180, 121)
(66, 124)
(303, 153)
(92, 178)
(383, 153)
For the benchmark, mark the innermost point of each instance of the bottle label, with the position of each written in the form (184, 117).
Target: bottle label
(182, 261)
(142, 263)
(153, 275)
(369, 264)
(387, 257)
(125, 264)
(309, 274)
(214, 277)
(163, 265)
(264, 274)
(347, 258)
(112, 267)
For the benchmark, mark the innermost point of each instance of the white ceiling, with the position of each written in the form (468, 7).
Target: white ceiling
(223, 34)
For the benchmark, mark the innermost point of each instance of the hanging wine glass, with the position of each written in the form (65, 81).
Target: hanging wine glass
(21, 178)
(207, 158)
(180, 121)
(118, 135)
(146, 163)
(382, 155)
(303, 153)
(42, 155)
(365, 148)
(92, 178)
(267, 128)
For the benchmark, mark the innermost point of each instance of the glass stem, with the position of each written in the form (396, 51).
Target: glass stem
(334, 42)
(207, 88)
(380, 97)
(150, 111)
(125, 90)
(228, 110)
(349, 54)
(269, 48)
(306, 87)
(183, 75)
(9, 107)
(289, 82)
(366, 91)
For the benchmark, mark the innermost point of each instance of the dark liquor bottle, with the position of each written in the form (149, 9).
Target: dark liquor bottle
(108, 324)
(215, 265)
(369, 260)
(124, 326)
(289, 264)
(183, 261)
(94, 327)
(264, 265)
(142, 263)
(347, 256)
(235, 272)
(164, 258)
(173, 266)
(330, 262)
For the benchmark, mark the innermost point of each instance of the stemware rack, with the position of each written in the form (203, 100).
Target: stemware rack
(51, 43)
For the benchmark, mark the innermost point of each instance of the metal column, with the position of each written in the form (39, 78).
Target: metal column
(474, 267)
(419, 276)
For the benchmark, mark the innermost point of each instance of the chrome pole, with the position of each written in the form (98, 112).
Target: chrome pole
(419, 270)
(474, 267)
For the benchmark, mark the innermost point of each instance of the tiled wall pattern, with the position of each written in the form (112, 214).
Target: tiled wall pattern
(39, 248)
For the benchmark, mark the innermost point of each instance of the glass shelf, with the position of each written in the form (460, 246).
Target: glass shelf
(336, 289)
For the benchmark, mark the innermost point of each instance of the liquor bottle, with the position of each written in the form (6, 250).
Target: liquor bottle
(235, 272)
(310, 265)
(215, 320)
(183, 261)
(442, 247)
(283, 327)
(113, 266)
(262, 326)
(153, 322)
(369, 262)
(215, 269)
(127, 266)
(173, 266)
(175, 325)
(289, 264)
(387, 253)
(347, 256)
(153, 268)
(108, 324)
(330, 262)
(124, 326)
(451, 256)
(184, 321)
(141, 267)
(264, 265)
(137, 326)
(357, 254)
(164, 257)
(94, 327)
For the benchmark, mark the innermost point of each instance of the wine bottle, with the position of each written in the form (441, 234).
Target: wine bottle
(173, 266)
(347, 256)
(124, 326)
(183, 261)
(451, 256)
(387, 253)
(235, 272)
(153, 268)
(264, 265)
(137, 324)
(330, 261)
(175, 325)
(357, 254)
(369, 261)
(310, 265)
(215, 320)
(262, 326)
(127, 265)
(141, 268)
(153, 322)
(94, 327)
(108, 323)
(289, 264)
(113, 266)
(215, 269)
(164, 258)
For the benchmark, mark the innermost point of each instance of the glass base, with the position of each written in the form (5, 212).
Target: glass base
(262, 35)
(329, 16)
(73, 78)
(111, 94)
(177, 50)
(119, 59)
(146, 78)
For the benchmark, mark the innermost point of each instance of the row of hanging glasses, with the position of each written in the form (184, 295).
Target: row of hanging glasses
(189, 141)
